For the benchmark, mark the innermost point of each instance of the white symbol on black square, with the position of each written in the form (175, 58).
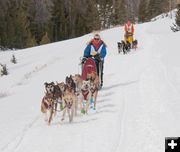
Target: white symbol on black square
(172, 144)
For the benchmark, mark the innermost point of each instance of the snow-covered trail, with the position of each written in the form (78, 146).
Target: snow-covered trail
(136, 109)
(152, 104)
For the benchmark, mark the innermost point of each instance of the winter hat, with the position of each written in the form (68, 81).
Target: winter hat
(97, 36)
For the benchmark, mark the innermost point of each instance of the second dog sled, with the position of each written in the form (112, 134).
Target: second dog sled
(126, 45)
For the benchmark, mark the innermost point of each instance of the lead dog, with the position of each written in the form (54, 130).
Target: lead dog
(56, 92)
(47, 105)
(69, 100)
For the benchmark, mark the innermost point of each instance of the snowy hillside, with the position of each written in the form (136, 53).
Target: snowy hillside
(137, 108)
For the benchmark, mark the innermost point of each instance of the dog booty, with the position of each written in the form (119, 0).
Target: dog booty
(91, 103)
(61, 106)
(83, 111)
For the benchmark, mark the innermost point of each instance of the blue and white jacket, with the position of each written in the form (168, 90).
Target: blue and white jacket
(90, 48)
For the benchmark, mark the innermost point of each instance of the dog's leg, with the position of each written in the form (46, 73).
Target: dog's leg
(51, 114)
(69, 114)
(72, 113)
(64, 112)
(87, 106)
(124, 49)
(45, 116)
(75, 105)
(44, 111)
(81, 103)
(119, 47)
(95, 98)
(56, 104)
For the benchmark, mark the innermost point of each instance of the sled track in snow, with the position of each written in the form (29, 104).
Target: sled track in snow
(15, 142)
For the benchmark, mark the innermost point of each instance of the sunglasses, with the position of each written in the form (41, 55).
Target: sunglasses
(97, 39)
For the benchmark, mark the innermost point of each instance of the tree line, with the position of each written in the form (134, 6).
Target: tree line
(30, 23)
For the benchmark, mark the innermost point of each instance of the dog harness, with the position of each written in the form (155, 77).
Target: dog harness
(93, 90)
(85, 93)
(68, 105)
(46, 103)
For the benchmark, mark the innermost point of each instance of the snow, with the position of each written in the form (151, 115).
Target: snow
(136, 109)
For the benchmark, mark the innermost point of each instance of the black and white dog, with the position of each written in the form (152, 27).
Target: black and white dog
(124, 47)
(1, 69)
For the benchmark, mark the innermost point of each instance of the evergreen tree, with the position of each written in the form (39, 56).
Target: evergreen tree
(142, 11)
(13, 59)
(3, 69)
(105, 12)
(123, 14)
(115, 18)
(155, 8)
(3, 37)
(31, 42)
(17, 26)
(58, 24)
(38, 16)
(92, 20)
(45, 39)
(178, 15)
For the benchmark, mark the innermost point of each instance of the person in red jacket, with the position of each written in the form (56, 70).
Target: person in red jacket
(129, 30)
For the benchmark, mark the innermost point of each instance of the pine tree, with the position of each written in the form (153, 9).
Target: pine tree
(123, 14)
(45, 39)
(92, 20)
(3, 69)
(13, 59)
(178, 15)
(17, 26)
(105, 12)
(59, 15)
(142, 11)
(155, 8)
(115, 19)
(39, 17)
(31, 41)
(3, 37)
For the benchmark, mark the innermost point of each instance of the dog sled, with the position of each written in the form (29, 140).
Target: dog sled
(88, 67)
(126, 45)
(90, 73)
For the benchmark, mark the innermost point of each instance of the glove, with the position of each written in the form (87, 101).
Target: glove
(93, 53)
(83, 60)
(97, 57)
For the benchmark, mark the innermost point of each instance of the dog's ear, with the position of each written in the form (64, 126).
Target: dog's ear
(45, 83)
(52, 83)
(66, 78)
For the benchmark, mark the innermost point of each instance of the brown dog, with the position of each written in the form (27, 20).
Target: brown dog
(55, 91)
(78, 82)
(69, 100)
(62, 87)
(94, 85)
(47, 106)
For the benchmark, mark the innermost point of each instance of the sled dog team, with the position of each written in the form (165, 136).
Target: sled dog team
(70, 96)
(80, 91)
